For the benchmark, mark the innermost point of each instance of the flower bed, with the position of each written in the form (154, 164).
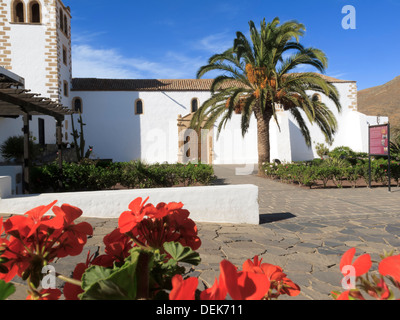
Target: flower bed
(335, 172)
(145, 258)
(95, 175)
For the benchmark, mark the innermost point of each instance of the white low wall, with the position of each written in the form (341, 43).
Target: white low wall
(5, 187)
(15, 172)
(219, 204)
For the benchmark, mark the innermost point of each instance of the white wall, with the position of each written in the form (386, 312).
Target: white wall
(352, 130)
(111, 125)
(204, 203)
(15, 175)
(231, 147)
(117, 133)
(5, 187)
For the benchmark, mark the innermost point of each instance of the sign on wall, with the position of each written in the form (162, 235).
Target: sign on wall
(379, 140)
(379, 145)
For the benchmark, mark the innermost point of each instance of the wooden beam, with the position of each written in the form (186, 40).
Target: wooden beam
(27, 153)
(59, 145)
(29, 106)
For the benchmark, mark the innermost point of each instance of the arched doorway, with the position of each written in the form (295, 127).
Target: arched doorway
(194, 146)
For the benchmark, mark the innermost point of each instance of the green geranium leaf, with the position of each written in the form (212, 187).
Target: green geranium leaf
(179, 253)
(94, 274)
(6, 289)
(119, 283)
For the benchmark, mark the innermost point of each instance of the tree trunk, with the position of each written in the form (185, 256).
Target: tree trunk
(263, 141)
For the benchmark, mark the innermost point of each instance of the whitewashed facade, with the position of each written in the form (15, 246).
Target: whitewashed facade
(36, 44)
(116, 132)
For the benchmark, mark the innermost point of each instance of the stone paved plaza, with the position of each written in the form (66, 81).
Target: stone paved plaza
(304, 231)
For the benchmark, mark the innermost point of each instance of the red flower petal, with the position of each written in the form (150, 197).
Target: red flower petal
(243, 285)
(71, 213)
(228, 274)
(126, 221)
(183, 289)
(216, 292)
(253, 286)
(362, 264)
(136, 205)
(347, 258)
(390, 266)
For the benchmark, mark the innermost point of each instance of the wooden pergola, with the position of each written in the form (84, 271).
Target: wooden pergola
(16, 101)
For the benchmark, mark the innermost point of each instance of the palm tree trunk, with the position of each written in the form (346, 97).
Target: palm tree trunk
(263, 141)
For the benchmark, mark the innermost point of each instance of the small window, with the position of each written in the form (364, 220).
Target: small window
(139, 106)
(316, 98)
(77, 105)
(61, 20)
(195, 105)
(64, 55)
(187, 140)
(66, 88)
(19, 14)
(65, 25)
(34, 14)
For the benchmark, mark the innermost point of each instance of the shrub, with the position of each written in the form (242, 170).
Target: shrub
(341, 153)
(322, 150)
(335, 169)
(89, 175)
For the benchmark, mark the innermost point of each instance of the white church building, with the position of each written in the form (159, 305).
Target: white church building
(143, 119)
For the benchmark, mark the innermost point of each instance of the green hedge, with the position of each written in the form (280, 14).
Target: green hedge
(336, 170)
(97, 175)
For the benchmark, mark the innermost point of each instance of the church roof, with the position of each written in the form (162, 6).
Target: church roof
(95, 84)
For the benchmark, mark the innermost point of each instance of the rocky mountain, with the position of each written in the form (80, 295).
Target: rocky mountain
(383, 100)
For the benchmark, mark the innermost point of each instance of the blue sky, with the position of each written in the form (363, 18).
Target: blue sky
(172, 39)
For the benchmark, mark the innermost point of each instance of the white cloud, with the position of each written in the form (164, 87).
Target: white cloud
(91, 62)
(215, 43)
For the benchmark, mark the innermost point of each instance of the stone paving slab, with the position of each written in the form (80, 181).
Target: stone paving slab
(304, 231)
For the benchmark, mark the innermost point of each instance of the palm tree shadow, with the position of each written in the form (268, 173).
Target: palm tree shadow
(274, 217)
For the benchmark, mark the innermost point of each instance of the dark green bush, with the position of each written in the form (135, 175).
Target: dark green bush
(336, 170)
(91, 175)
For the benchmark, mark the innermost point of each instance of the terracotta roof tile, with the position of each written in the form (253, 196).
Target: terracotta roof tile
(95, 84)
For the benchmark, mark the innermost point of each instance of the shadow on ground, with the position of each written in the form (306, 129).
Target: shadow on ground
(273, 217)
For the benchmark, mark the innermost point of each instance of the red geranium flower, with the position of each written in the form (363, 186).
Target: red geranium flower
(31, 221)
(19, 259)
(117, 246)
(361, 265)
(276, 276)
(129, 219)
(390, 266)
(243, 285)
(217, 292)
(73, 236)
(45, 294)
(151, 226)
(183, 289)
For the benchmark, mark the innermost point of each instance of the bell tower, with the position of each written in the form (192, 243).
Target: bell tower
(35, 43)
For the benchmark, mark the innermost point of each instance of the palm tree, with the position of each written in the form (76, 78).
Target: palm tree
(258, 76)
